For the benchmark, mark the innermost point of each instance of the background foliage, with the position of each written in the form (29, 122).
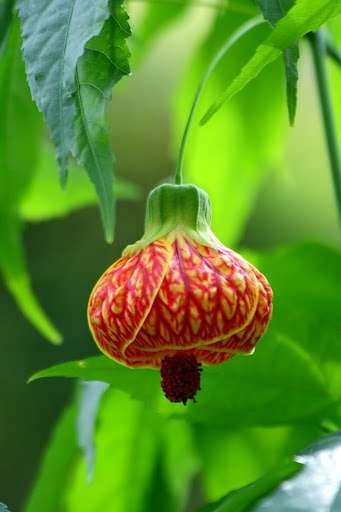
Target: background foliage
(121, 448)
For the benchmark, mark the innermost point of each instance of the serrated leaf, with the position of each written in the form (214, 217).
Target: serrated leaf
(16, 277)
(55, 33)
(89, 402)
(305, 16)
(18, 159)
(104, 62)
(45, 199)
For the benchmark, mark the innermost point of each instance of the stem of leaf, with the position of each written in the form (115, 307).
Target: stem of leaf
(319, 51)
(232, 40)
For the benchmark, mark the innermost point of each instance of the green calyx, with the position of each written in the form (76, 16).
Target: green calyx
(171, 208)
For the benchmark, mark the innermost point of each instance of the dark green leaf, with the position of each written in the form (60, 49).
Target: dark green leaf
(317, 487)
(47, 494)
(241, 499)
(55, 33)
(306, 15)
(45, 199)
(89, 402)
(103, 64)
(6, 13)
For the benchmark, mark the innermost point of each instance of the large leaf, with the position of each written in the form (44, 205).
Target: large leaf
(103, 64)
(18, 160)
(54, 37)
(45, 199)
(230, 157)
(303, 342)
(273, 11)
(306, 15)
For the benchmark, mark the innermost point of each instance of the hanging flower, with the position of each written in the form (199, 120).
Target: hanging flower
(178, 298)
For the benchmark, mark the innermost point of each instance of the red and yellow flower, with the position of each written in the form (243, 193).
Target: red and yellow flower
(178, 298)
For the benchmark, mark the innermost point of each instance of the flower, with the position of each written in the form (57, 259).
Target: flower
(178, 298)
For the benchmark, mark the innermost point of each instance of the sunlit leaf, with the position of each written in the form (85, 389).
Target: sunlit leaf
(103, 64)
(89, 402)
(45, 199)
(306, 15)
(126, 439)
(54, 472)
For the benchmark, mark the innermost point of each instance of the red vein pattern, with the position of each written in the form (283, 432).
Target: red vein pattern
(177, 295)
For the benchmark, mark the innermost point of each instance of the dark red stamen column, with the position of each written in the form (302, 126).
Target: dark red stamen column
(180, 377)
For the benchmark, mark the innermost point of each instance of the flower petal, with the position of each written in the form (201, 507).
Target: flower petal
(123, 297)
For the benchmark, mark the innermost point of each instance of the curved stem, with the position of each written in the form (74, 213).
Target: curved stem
(231, 41)
(319, 53)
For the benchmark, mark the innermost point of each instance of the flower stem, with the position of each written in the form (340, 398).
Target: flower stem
(319, 51)
(231, 41)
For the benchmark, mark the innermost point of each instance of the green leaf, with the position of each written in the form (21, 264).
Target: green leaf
(47, 492)
(126, 448)
(242, 499)
(55, 33)
(306, 15)
(317, 487)
(89, 402)
(103, 64)
(273, 11)
(45, 199)
(18, 159)
(13, 268)
(6, 13)
(224, 158)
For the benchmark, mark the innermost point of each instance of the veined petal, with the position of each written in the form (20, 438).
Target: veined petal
(205, 296)
(123, 297)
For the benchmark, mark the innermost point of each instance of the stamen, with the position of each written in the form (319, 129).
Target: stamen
(180, 377)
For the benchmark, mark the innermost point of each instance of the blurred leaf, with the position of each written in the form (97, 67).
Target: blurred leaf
(180, 461)
(45, 199)
(251, 452)
(230, 157)
(126, 443)
(55, 33)
(273, 11)
(14, 270)
(18, 158)
(6, 12)
(317, 488)
(241, 499)
(89, 403)
(4, 508)
(306, 15)
(54, 472)
(156, 18)
(104, 63)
